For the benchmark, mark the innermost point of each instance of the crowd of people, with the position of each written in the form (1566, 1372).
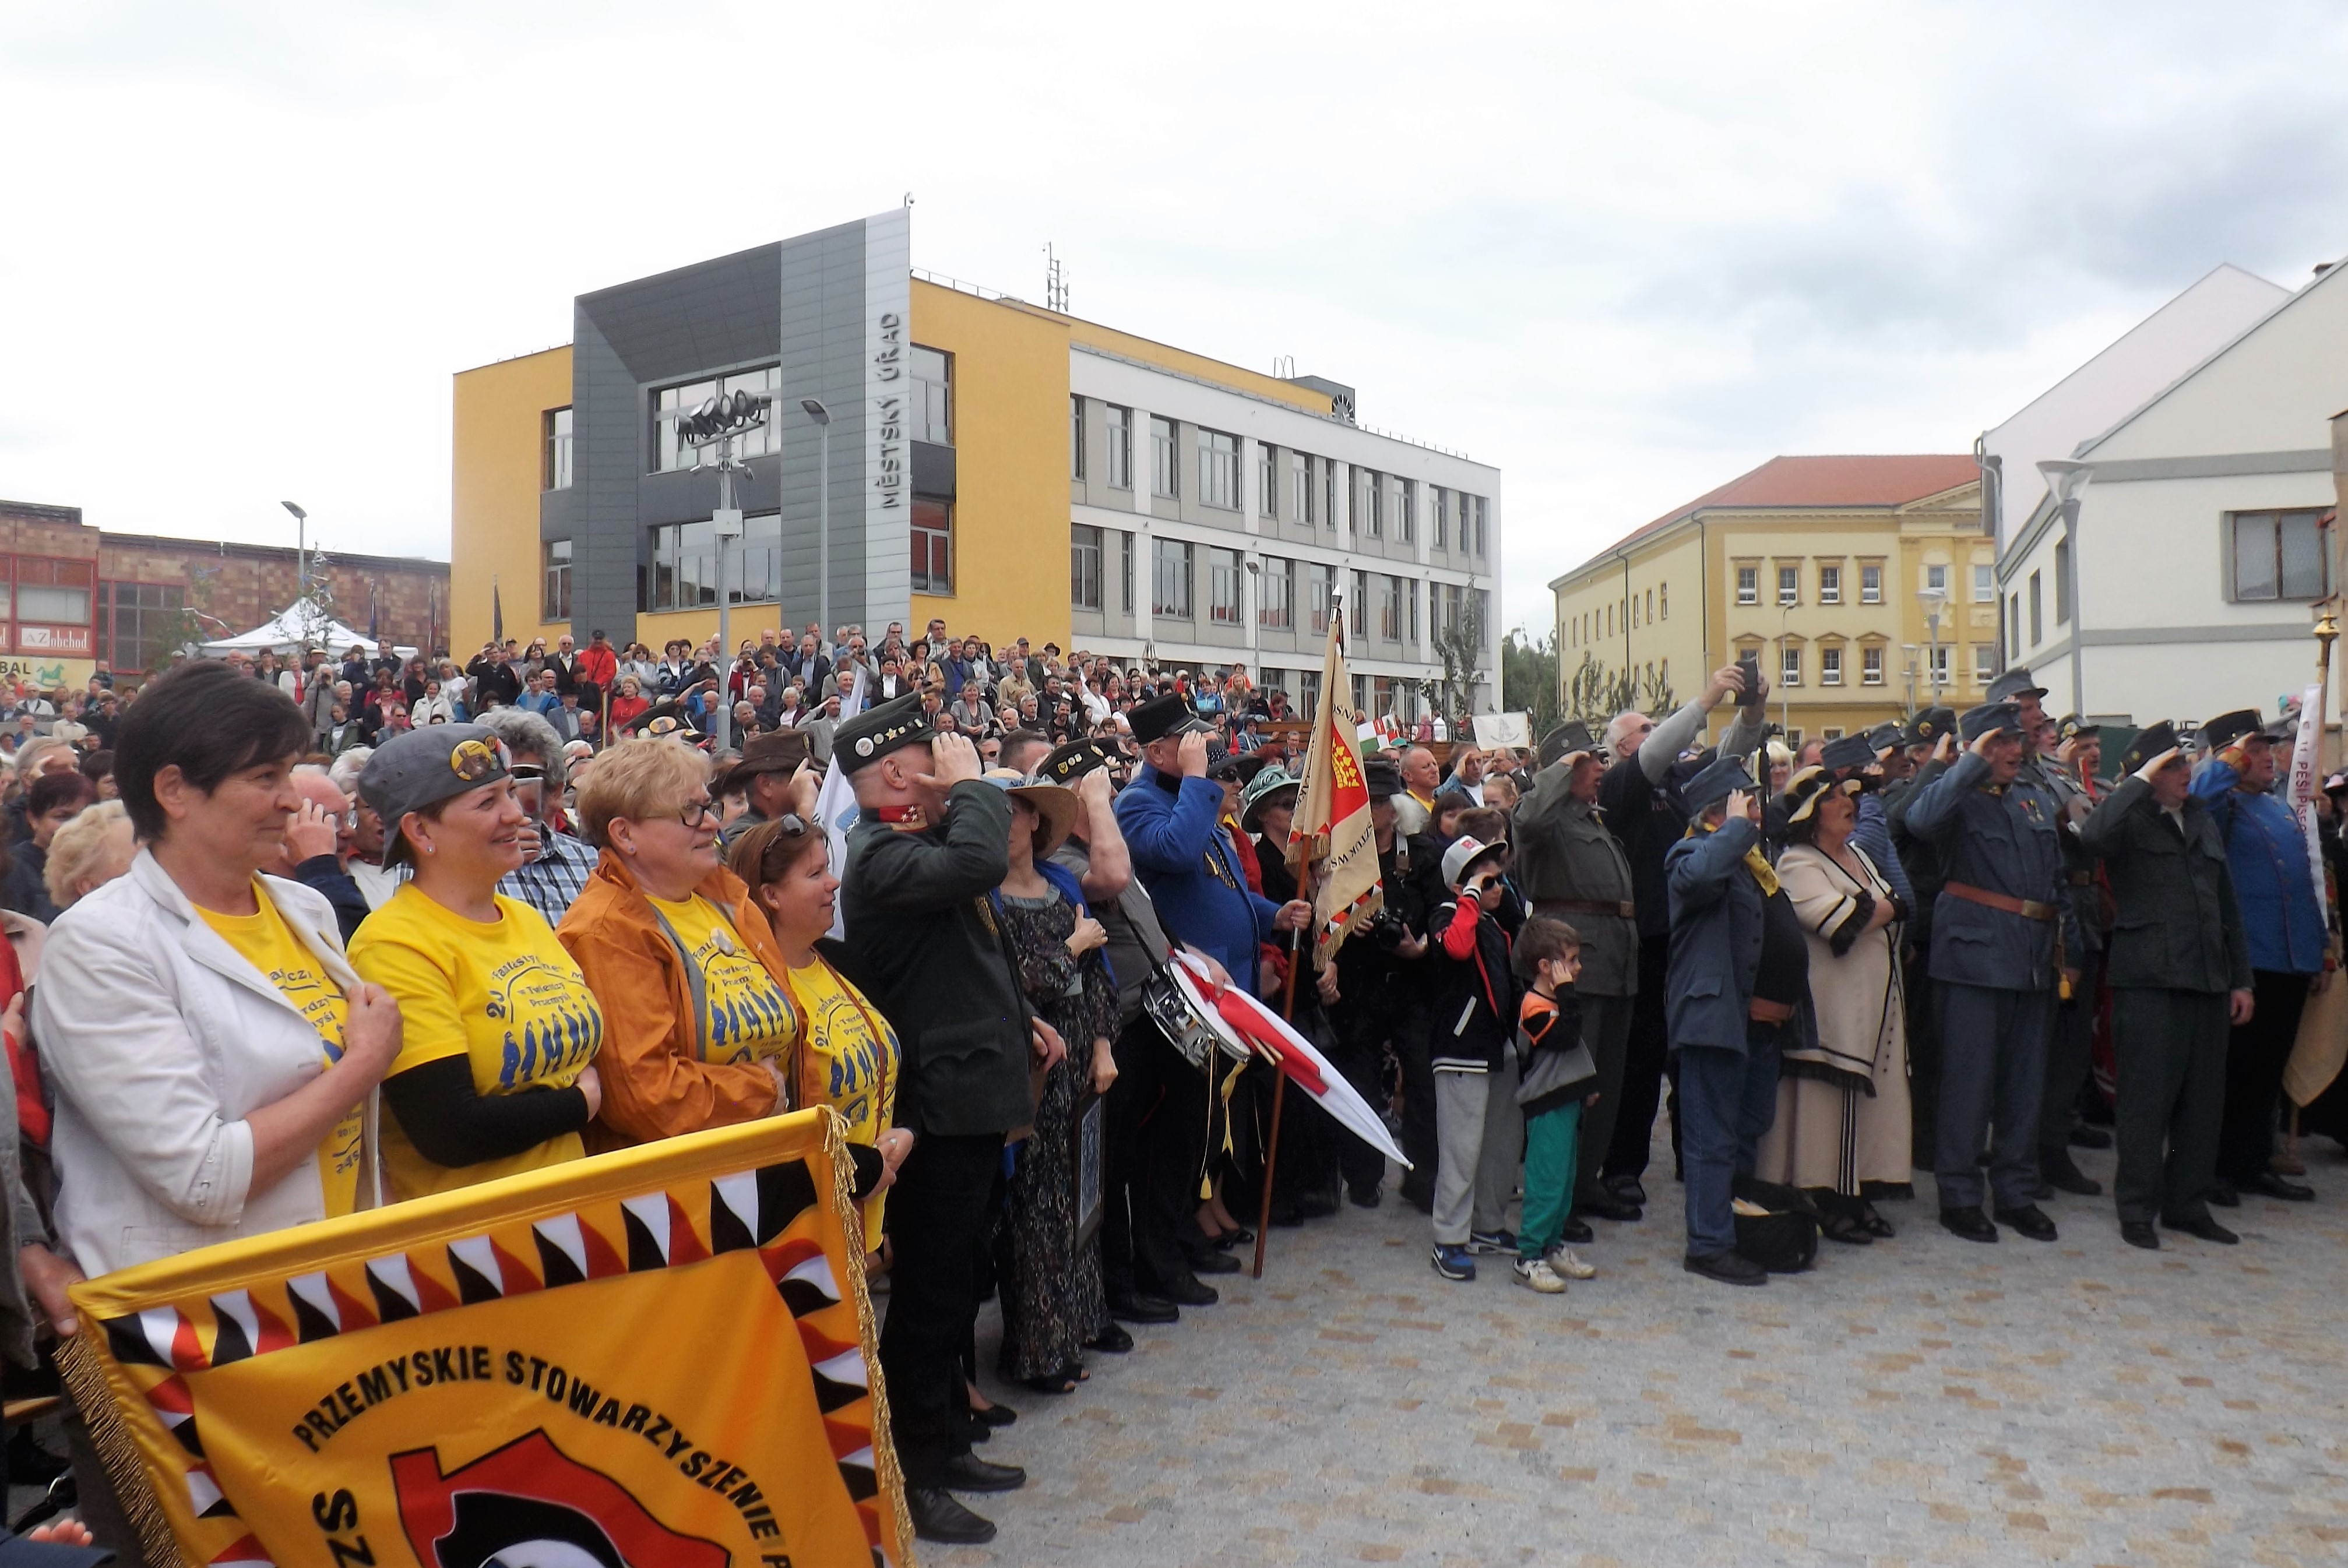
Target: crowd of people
(304, 955)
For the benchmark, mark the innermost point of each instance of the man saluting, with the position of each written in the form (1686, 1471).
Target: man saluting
(930, 844)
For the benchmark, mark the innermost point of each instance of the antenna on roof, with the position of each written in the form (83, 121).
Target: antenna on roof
(1056, 281)
(1284, 366)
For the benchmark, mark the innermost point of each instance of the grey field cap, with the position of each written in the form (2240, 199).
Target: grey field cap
(425, 767)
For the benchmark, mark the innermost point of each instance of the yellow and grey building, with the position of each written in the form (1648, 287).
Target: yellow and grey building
(1206, 515)
(1865, 586)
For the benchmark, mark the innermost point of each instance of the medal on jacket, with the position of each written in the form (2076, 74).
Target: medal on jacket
(1215, 867)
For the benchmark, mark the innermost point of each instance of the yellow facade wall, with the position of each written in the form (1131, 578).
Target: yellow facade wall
(1185, 362)
(496, 470)
(1011, 467)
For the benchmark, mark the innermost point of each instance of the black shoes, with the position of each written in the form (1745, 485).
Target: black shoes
(1139, 1306)
(1627, 1188)
(2139, 1232)
(2030, 1220)
(1576, 1231)
(1969, 1222)
(968, 1472)
(1366, 1197)
(2282, 1187)
(1188, 1291)
(2224, 1196)
(1727, 1267)
(938, 1517)
(2203, 1227)
(2058, 1172)
(1209, 1260)
(2085, 1137)
(1111, 1340)
(1609, 1207)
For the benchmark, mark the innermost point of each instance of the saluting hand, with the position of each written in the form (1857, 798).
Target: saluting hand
(313, 831)
(952, 761)
(1193, 754)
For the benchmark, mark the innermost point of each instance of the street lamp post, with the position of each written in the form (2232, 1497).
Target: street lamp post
(1909, 649)
(300, 537)
(1935, 601)
(2064, 480)
(1785, 692)
(822, 417)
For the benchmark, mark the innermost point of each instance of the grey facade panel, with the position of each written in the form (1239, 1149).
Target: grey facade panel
(933, 469)
(605, 404)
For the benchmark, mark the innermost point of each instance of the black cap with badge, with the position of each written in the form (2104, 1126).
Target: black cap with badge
(1164, 717)
(424, 767)
(2227, 728)
(1568, 738)
(1930, 725)
(2004, 717)
(1075, 760)
(875, 732)
(2018, 681)
(1848, 751)
(2155, 738)
(2072, 727)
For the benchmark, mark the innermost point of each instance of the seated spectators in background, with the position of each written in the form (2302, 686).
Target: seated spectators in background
(52, 801)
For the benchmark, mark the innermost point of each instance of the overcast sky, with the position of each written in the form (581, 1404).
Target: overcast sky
(1623, 253)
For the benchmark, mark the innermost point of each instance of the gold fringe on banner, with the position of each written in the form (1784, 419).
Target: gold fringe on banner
(851, 1213)
(93, 1400)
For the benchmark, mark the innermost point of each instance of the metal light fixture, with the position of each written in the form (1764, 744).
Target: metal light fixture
(720, 421)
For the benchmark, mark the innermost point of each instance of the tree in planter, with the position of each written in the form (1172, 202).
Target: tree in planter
(1460, 646)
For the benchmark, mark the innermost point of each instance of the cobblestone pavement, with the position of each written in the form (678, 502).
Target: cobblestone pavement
(1924, 1401)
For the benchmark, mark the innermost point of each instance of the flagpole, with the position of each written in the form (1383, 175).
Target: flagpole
(1278, 1099)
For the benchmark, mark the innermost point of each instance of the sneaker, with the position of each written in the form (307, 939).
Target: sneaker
(1535, 1274)
(1453, 1262)
(1565, 1266)
(1491, 1242)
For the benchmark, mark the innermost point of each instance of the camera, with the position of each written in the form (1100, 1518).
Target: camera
(1386, 929)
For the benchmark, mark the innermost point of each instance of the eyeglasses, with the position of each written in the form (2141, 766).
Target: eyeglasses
(695, 811)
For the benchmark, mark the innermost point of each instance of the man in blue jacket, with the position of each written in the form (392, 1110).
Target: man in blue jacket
(2000, 928)
(1172, 815)
(1738, 990)
(2282, 915)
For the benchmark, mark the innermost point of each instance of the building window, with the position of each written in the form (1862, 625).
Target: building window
(1405, 507)
(1984, 656)
(1870, 585)
(1410, 591)
(1442, 518)
(557, 476)
(1940, 654)
(1267, 477)
(932, 396)
(1870, 666)
(932, 545)
(1223, 576)
(1748, 585)
(554, 602)
(755, 574)
(1790, 668)
(1300, 475)
(672, 403)
(1390, 609)
(1085, 568)
(1120, 448)
(684, 567)
(1372, 490)
(1829, 666)
(2278, 554)
(1829, 585)
(2037, 633)
(135, 619)
(1663, 599)
(1789, 585)
(1127, 550)
(2061, 582)
(1358, 620)
(1329, 493)
(1219, 469)
(1984, 583)
(1936, 580)
(2013, 626)
(1169, 593)
(1483, 515)
(1320, 593)
(1163, 480)
(1276, 595)
(1076, 437)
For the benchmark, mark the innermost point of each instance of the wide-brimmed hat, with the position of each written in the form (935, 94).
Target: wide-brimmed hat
(779, 752)
(1799, 799)
(420, 768)
(1054, 806)
(1261, 790)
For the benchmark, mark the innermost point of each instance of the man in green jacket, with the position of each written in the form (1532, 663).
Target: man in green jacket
(2179, 971)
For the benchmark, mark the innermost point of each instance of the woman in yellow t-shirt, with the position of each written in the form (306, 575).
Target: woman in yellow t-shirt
(497, 1072)
(850, 1058)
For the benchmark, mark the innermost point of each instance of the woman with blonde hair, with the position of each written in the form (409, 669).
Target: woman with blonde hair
(91, 851)
(700, 1028)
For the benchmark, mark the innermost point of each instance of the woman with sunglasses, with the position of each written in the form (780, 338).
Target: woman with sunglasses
(496, 1069)
(701, 1030)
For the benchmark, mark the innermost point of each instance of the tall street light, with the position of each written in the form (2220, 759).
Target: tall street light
(720, 422)
(2064, 480)
(301, 558)
(1935, 601)
(822, 417)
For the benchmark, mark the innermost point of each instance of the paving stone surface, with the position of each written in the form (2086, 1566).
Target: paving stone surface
(1925, 1400)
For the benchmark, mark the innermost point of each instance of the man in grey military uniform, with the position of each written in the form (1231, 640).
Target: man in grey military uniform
(1923, 864)
(2180, 976)
(1569, 865)
(2071, 777)
(1999, 929)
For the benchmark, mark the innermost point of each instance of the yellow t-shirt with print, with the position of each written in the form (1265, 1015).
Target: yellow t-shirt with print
(504, 994)
(851, 1063)
(265, 941)
(745, 1015)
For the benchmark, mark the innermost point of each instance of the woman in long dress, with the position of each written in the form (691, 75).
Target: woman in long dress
(1842, 1108)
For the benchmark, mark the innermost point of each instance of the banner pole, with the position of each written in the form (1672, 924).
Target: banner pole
(1278, 1099)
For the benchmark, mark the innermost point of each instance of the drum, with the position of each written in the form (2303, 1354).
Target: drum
(1172, 1001)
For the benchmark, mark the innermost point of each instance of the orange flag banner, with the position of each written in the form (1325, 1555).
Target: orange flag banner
(662, 1355)
(1330, 829)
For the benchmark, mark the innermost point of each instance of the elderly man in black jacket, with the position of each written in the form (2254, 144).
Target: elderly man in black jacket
(2180, 977)
(930, 843)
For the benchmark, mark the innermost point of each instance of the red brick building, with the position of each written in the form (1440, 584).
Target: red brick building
(71, 595)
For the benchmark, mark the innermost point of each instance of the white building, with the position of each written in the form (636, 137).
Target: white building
(2198, 547)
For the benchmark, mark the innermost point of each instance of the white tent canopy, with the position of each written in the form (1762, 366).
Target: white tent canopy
(293, 629)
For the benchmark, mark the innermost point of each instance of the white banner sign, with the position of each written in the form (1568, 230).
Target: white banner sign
(1504, 729)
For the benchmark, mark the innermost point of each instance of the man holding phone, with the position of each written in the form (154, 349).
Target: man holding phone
(1641, 798)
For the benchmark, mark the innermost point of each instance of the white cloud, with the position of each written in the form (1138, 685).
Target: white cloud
(1623, 254)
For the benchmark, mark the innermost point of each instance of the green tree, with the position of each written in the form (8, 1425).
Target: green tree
(1461, 647)
(1529, 679)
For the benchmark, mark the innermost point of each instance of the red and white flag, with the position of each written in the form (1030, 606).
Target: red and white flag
(1331, 830)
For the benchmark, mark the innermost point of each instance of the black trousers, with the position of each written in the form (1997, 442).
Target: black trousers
(1606, 1030)
(1645, 1052)
(1363, 1028)
(2170, 1047)
(2068, 1050)
(2256, 1054)
(937, 1211)
(1135, 1240)
(1923, 1056)
(1172, 1162)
